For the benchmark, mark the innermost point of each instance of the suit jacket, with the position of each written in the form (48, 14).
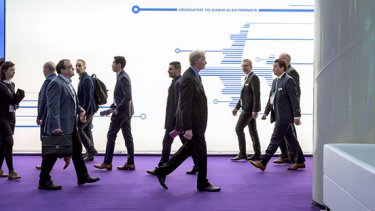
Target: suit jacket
(294, 74)
(85, 94)
(123, 96)
(192, 106)
(7, 98)
(61, 108)
(286, 103)
(250, 95)
(42, 98)
(172, 102)
(7, 118)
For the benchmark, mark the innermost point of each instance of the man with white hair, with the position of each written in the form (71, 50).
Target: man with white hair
(191, 121)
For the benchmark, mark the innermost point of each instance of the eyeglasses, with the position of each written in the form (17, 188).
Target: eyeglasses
(245, 65)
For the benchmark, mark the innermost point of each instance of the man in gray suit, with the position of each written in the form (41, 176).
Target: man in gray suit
(285, 110)
(62, 112)
(250, 103)
(122, 111)
(286, 156)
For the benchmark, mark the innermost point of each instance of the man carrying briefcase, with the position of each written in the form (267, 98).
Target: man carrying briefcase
(63, 110)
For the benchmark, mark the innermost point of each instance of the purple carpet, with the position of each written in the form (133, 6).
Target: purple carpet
(243, 187)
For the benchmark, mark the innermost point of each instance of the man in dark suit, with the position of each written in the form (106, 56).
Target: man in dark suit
(191, 120)
(174, 72)
(49, 73)
(250, 103)
(286, 156)
(62, 112)
(122, 111)
(285, 110)
(86, 100)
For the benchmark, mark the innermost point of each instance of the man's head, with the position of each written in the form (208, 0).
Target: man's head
(174, 69)
(8, 70)
(286, 58)
(279, 67)
(197, 59)
(65, 68)
(247, 66)
(48, 68)
(80, 66)
(118, 64)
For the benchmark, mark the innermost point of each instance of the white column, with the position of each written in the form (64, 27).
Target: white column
(344, 78)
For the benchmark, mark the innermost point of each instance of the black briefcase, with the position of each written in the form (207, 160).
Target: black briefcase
(60, 145)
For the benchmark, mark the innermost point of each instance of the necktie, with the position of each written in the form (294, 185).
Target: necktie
(74, 95)
(275, 87)
(200, 82)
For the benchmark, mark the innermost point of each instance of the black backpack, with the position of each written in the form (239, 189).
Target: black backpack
(100, 91)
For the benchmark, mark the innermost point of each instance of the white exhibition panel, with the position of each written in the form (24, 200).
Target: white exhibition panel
(150, 34)
(348, 177)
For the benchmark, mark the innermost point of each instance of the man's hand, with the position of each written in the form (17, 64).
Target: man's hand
(188, 134)
(82, 119)
(57, 131)
(82, 112)
(234, 112)
(82, 116)
(39, 121)
(297, 121)
(264, 117)
(67, 162)
(254, 115)
(115, 112)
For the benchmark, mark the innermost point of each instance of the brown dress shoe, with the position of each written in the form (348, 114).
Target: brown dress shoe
(281, 160)
(127, 167)
(103, 166)
(297, 166)
(258, 164)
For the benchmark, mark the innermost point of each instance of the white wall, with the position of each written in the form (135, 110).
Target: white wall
(96, 30)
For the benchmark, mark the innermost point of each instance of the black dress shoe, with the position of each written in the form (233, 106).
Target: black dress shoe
(49, 186)
(152, 172)
(162, 181)
(253, 157)
(209, 188)
(84, 155)
(193, 171)
(88, 157)
(87, 179)
(239, 157)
